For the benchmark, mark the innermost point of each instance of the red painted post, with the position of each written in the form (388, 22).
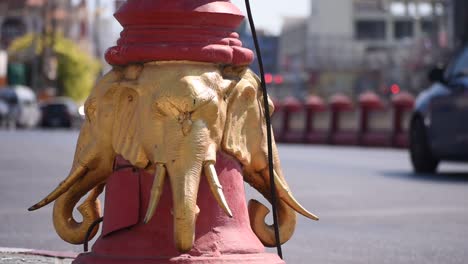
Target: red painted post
(316, 109)
(172, 132)
(372, 111)
(293, 126)
(343, 111)
(157, 30)
(402, 106)
(126, 239)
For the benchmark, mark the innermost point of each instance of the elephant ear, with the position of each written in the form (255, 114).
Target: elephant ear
(245, 132)
(245, 138)
(126, 126)
(99, 100)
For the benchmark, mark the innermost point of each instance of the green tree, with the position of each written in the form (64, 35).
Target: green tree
(77, 70)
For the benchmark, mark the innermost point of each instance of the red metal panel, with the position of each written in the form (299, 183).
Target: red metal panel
(122, 201)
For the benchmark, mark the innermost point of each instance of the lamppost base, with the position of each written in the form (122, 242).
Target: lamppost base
(218, 238)
(260, 258)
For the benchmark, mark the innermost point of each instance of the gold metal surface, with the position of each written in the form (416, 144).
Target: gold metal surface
(216, 188)
(156, 191)
(176, 115)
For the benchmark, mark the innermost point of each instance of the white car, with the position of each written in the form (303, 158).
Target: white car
(3, 114)
(22, 105)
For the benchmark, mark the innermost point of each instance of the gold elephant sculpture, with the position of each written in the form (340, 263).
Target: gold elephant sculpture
(171, 118)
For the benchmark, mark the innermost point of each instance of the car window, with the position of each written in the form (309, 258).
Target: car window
(55, 109)
(459, 67)
(9, 98)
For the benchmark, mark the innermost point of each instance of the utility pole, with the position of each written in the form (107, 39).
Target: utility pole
(460, 22)
(96, 32)
(35, 13)
(48, 61)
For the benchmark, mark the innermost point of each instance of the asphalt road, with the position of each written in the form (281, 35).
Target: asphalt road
(372, 208)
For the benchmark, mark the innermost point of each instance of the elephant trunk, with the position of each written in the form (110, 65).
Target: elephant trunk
(184, 173)
(258, 213)
(266, 233)
(191, 153)
(185, 210)
(286, 204)
(66, 226)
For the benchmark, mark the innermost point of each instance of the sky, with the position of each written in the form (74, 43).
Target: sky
(267, 14)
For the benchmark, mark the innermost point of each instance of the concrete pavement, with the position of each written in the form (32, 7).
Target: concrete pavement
(372, 208)
(22, 255)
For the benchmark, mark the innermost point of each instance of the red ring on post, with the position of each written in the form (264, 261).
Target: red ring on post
(194, 30)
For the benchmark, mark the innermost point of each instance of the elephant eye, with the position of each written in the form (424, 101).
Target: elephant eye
(158, 110)
(210, 110)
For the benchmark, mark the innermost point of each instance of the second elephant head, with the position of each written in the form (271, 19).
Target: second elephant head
(175, 117)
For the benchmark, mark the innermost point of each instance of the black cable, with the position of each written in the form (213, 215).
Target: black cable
(269, 134)
(88, 233)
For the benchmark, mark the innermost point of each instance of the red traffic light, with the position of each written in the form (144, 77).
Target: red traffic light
(395, 89)
(278, 79)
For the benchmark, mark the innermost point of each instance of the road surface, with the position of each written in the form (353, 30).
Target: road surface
(372, 208)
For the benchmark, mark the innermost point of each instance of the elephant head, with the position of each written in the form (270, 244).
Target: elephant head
(245, 138)
(172, 118)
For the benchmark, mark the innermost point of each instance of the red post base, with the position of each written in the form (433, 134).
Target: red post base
(224, 259)
(218, 239)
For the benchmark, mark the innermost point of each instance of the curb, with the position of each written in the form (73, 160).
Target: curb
(38, 252)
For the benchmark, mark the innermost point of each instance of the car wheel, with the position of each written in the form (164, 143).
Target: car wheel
(421, 157)
(68, 124)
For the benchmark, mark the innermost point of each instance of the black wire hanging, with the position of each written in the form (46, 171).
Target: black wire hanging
(269, 133)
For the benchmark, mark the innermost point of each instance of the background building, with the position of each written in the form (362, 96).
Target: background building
(356, 45)
(44, 19)
(292, 57)
(18, 17)
(268, 44)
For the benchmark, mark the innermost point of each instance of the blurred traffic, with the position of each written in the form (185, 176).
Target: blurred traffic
(439, 127)
(19, 108)
(371, 108)
(355, 83)
(61, 112)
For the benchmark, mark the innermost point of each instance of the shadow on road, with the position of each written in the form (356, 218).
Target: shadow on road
(461, 177)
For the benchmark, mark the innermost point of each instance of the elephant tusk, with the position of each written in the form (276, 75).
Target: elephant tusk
(74, 176)
(285, 195)
(216, 188)
(156, 191)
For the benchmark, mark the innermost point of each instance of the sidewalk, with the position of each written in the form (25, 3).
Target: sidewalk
(21, 256)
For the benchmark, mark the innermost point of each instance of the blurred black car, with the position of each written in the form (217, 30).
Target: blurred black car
(60, 112)
(439, 125)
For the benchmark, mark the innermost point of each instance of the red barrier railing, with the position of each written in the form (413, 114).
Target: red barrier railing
(343, 127)
(293, 121)
(317, 120)
(371, 123)
(403, 105)
(375, 123)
